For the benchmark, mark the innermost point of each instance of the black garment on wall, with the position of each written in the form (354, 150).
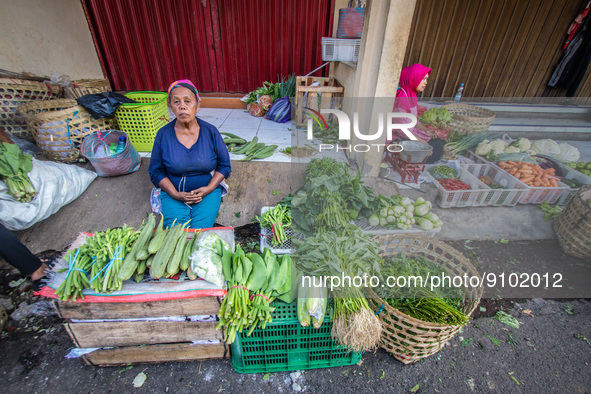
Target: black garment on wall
(572, 67)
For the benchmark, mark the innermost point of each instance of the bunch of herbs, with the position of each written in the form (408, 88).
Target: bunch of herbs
(330, 198)
(14, 167)
(442, 304)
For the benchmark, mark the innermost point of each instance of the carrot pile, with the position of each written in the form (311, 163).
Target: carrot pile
(530, 174)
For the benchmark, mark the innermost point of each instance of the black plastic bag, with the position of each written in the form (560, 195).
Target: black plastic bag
(103, 105)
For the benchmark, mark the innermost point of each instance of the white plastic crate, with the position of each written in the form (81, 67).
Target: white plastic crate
(477, 159)
(340, 50)
(366, 228)
(462, 198)
(267, 236)
(512, 190)
(535, 195)
(570, 173)
(539, 194)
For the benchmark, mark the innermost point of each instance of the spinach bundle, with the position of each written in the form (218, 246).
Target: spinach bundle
(14, 167)
(330, 198)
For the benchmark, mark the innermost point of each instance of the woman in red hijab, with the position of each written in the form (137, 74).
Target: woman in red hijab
(413, 80)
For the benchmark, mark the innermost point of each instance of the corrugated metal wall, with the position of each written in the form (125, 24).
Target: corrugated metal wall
(498, 48)
(221, 45)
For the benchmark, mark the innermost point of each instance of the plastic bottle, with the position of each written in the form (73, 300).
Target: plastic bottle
(121, 144)
(458, 95)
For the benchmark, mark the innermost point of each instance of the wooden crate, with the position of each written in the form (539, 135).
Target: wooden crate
(146, 341)
(330, 90)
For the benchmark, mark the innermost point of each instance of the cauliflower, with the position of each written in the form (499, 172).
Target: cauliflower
(512, 149)
(483, 148)
(498, 146)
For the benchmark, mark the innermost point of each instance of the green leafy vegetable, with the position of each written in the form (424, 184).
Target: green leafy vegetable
(14, 167)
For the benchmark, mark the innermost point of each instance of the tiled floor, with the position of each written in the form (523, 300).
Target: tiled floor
(244, 125)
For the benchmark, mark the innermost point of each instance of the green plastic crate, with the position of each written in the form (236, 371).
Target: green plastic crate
(284, 345)
(141, 121)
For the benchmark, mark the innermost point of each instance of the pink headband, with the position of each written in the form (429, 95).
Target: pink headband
(185, 83)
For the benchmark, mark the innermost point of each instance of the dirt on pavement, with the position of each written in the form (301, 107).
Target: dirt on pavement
(549, 352)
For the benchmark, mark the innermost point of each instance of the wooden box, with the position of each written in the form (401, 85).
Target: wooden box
(143, 341)
(330, 92)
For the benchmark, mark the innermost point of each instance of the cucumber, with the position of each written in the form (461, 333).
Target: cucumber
(569, 182)
(229, 134)
(228, 141)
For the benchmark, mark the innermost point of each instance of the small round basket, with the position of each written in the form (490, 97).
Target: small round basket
(59, 126)
(408, 339)
(469, 118)
(83, 87)
(573, 225)
(15, 92)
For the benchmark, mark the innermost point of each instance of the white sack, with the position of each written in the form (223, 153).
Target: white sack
(57, 184)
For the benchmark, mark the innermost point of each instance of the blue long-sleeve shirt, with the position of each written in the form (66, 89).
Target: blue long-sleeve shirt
(188, 168)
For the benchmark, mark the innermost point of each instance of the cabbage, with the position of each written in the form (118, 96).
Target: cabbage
(391, 218)
(425, 224)
(406, 201)
(546, 147)
(383, 221)
(207, 264)
(384, 212)
(208, 241)
(399, 210)
(421, 209)
(419, 200)
(374, 220)
(437, 224)
(568, 153)
(432, 217)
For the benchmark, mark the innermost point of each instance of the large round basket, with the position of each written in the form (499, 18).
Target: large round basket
(59, 126)
(408, 339)
(469, 118)
(573, 225)
(82, 87)
(15, 92)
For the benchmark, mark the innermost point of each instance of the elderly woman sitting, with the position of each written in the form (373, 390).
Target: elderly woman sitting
(189, 161)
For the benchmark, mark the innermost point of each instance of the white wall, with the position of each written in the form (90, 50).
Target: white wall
(46, 36)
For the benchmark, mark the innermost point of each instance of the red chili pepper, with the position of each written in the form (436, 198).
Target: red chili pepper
(454, 184)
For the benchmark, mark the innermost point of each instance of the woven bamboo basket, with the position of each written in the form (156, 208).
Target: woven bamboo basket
(573, 225)
(59, 126)
(82, 87)
(469, 118)
(15, 92)
(408, 339)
